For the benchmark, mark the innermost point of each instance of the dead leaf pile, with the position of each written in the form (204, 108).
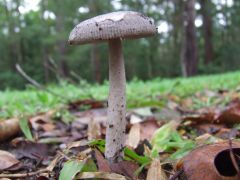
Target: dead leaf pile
(189, 137)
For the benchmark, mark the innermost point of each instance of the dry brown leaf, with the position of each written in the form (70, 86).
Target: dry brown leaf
(126, 168)
(101, 162)
(201, 163)
(201, 140)
(7, 160)
(43, 121)
(135, 119)
(83, 117)
(94, 130)
(101, 175)
(9, 128)
(231, 114)
(91, 103)
(148, 128)
(134, 136)
(155, 171)
(54, 162)
(77, 144)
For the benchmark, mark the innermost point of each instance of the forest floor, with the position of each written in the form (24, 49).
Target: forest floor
(59, 134)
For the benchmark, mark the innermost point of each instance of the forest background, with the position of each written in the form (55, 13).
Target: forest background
(194, 37)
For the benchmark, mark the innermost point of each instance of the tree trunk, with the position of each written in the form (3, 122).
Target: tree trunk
(95, 56)
(207, 28)
(63, 66)
(96, 65)
(46, 65)
(61, 43)
(189, 54)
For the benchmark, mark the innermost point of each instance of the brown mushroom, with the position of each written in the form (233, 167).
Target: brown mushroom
(113, 27)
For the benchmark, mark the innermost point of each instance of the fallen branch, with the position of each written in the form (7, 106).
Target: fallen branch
(24, 175)
(48, 169)
(36, 84)
(100, 175)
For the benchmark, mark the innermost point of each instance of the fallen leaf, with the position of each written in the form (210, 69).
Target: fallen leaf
(155, 171)
(42, 121)
(101, 162)
(54, 162)
(203, 128)
(126, 168)
(77, 144)
(25, 129)
(166, 115)
(86, 104)
(7, 160)
(100, 175)
(201, 163)
(99, 115)
(31, 150)
(201, 116)
(9, 128)
(231, 114)
(148, 128)
(94, 130)
(206, 138)
(135, 119)
(134, 136)
(146, 111)
(228, 115)
(70, 169)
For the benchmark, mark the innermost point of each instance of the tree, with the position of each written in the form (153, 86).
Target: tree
(189, 54)
(207, 31)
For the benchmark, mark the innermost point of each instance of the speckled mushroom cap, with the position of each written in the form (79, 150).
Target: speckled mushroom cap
(122, 24)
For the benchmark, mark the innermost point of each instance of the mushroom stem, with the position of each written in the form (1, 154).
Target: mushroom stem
(116, 124)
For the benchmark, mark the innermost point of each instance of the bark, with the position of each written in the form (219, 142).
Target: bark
(61, 43)
(177, 28)
(13, 40)
(96, 64)
(45, 48)
(207, 28)
(189, 54)
(116, 124)
(64, 70)
(95, 56)
(46, 65)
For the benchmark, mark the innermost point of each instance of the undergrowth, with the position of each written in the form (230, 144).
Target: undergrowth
(139, 93)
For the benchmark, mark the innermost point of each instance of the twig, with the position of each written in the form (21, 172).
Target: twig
(36, 84)
(48, 169)
(233, 158)
(22, 175)
(76, 76)
(63, 155)
(52, 70)
(58, 73)
(177, 174)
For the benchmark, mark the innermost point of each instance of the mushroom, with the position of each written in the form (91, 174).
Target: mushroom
(112, 28)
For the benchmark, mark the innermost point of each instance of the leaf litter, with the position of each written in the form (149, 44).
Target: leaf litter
(183, 138)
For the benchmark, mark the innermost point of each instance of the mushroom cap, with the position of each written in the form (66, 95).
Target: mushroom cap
(121, 24)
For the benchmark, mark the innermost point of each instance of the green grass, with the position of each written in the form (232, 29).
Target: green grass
(139, 93)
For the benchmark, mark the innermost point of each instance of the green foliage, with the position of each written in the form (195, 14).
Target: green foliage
(32, 38)
(70, 169)
(168, 139)
(139, 94)
(25, 128)
(129, 154)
